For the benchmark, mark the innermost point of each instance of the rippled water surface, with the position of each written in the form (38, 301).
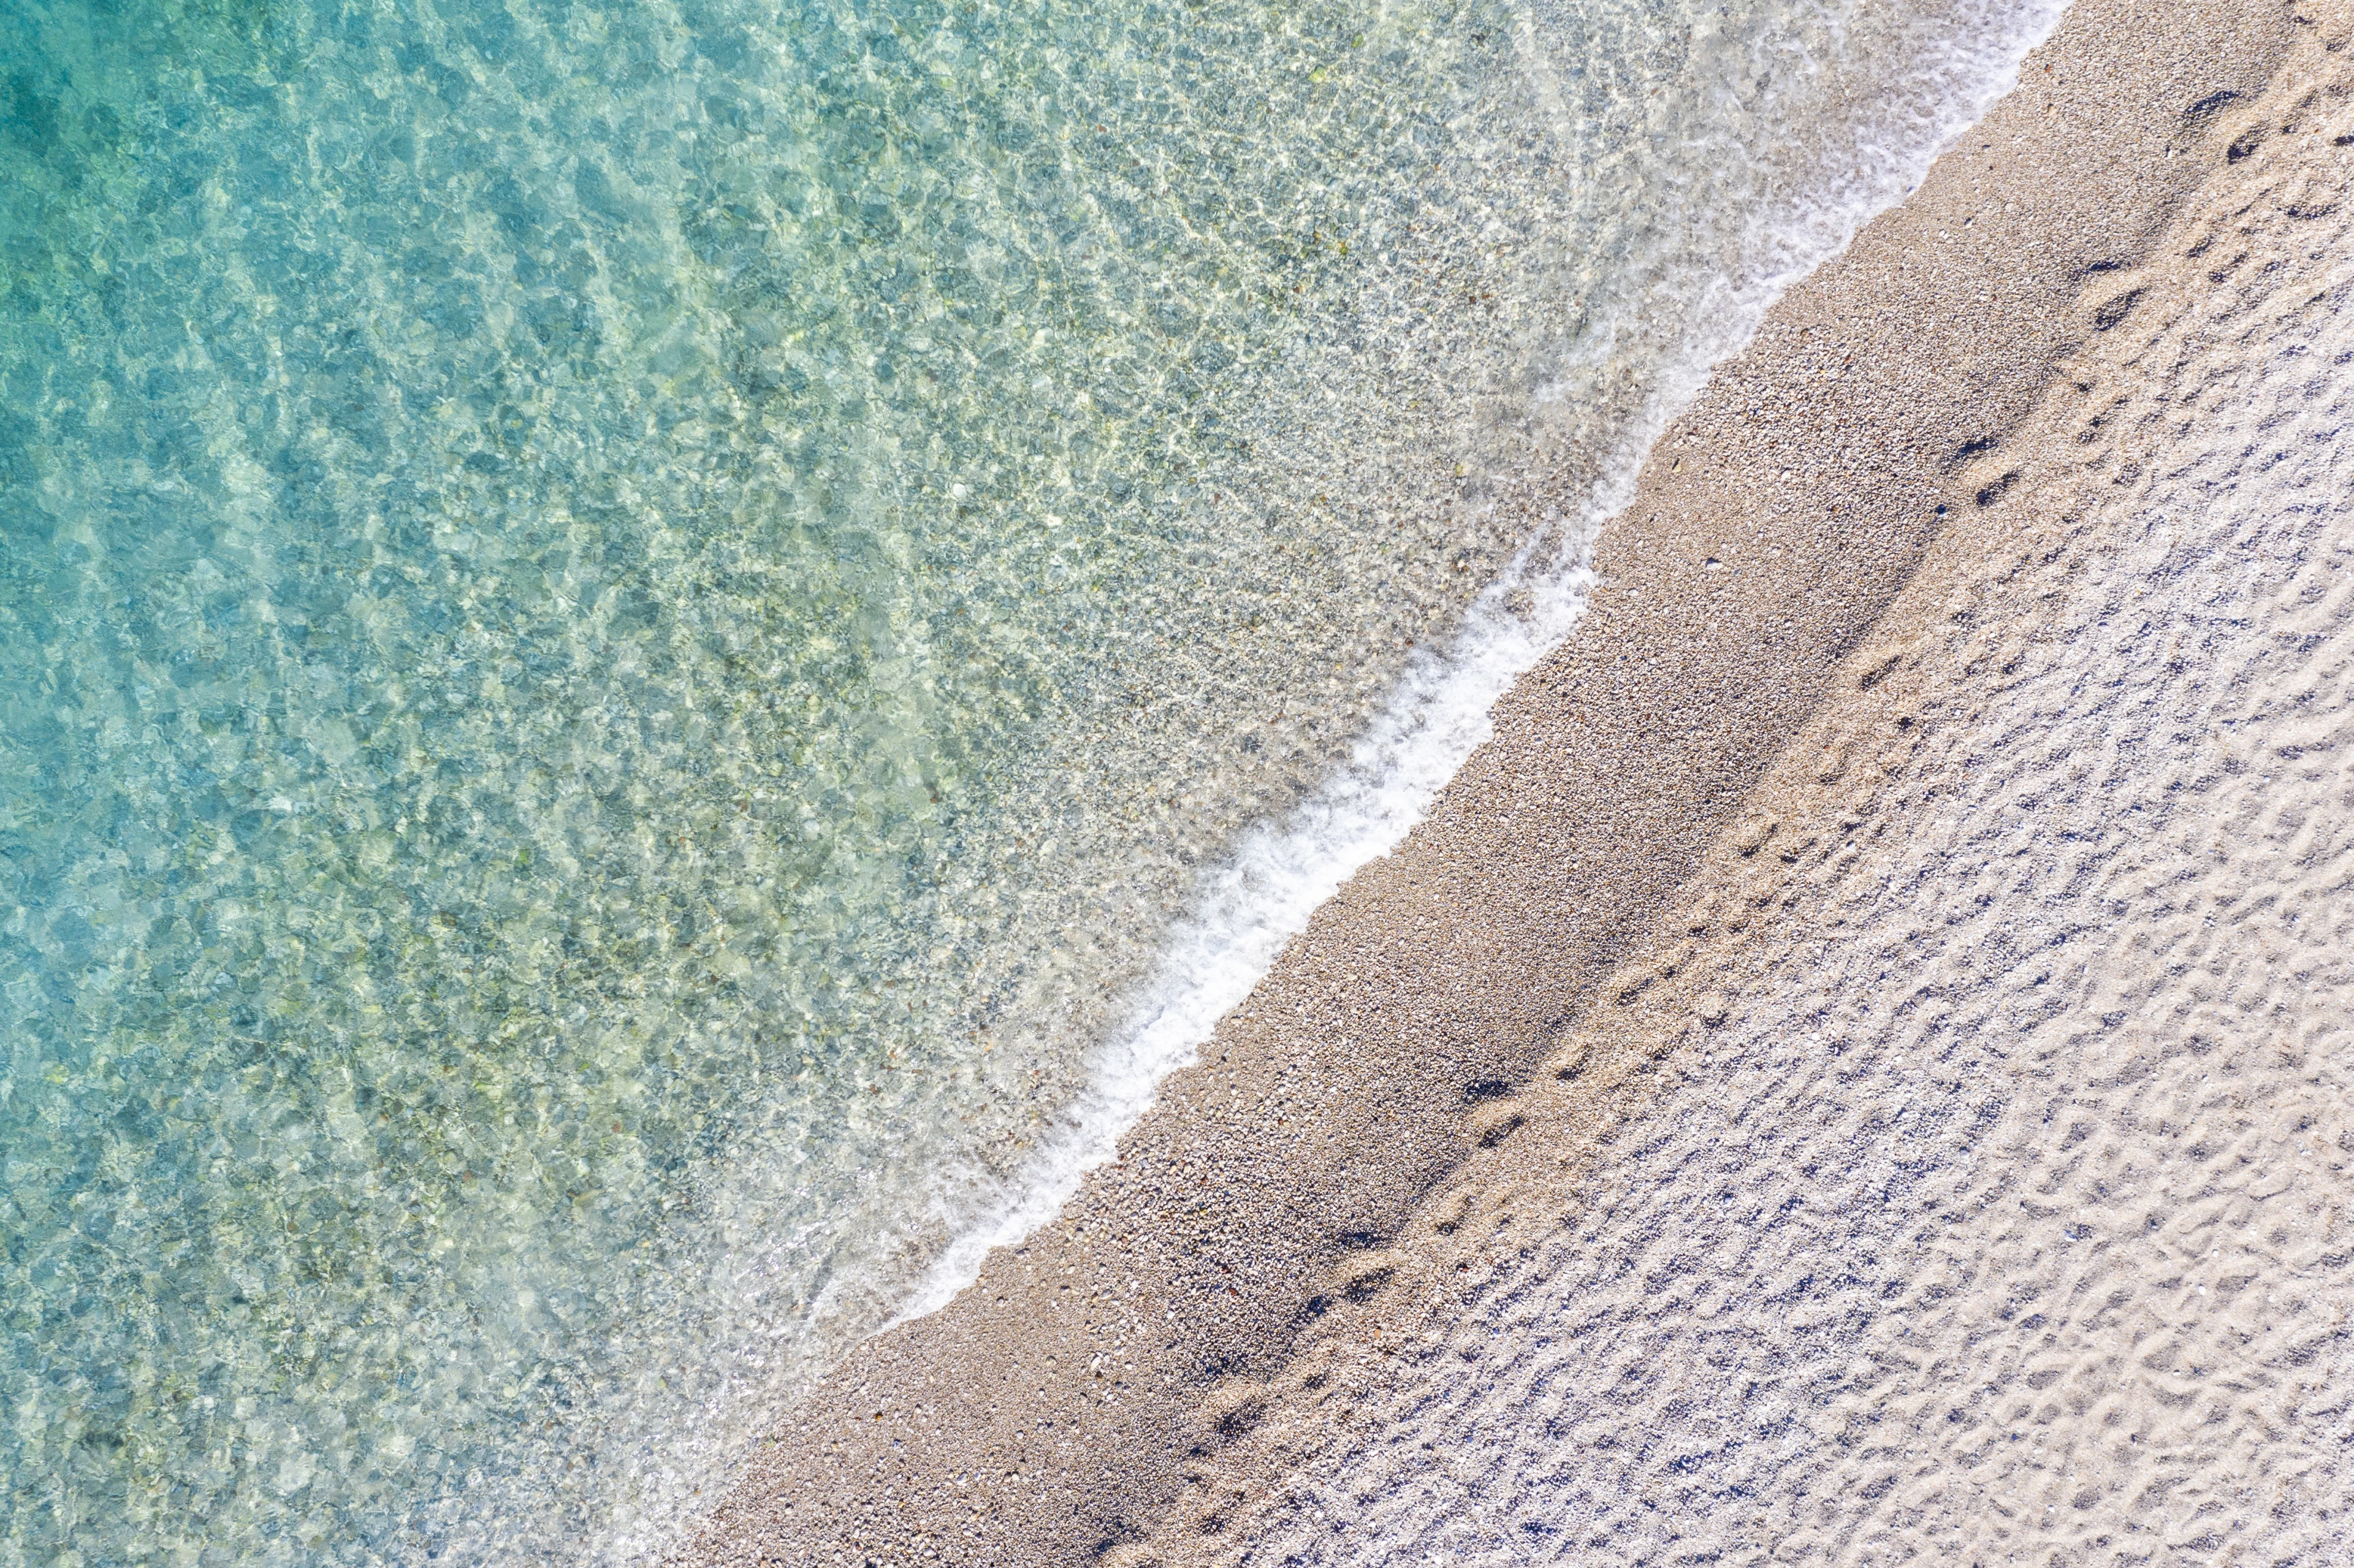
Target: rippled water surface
(622, 626)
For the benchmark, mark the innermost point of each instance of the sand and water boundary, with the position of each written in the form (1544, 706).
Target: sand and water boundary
(1071, 1402)
(1963, 1174)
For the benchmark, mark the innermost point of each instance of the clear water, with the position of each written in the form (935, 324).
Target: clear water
(624, 629)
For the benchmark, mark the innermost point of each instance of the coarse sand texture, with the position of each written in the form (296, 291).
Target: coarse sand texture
(1854, 1070)
(1970, 1181)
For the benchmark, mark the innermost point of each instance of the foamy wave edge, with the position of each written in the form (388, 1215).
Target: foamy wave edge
(1263, 894)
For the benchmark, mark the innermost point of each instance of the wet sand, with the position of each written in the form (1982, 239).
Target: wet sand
(1961, 1174)
(1460, 1034)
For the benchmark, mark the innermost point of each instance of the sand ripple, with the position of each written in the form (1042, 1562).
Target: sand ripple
(1967, 1177)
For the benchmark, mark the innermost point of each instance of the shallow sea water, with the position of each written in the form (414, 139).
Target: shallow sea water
(1965, 1180)
(623, 628)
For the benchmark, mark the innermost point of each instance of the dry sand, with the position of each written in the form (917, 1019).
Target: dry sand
(1970, 1180)
(1883, 971)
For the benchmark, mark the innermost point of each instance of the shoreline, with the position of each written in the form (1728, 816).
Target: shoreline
(1054, 1411)
(1279, 872)
(1964, 1172)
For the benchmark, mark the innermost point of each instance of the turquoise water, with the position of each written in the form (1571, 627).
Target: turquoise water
(621, 628)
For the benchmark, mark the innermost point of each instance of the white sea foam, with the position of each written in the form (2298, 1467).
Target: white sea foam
(2188, 1219)
(1254, 902)
(1657, 312)
(685, 584)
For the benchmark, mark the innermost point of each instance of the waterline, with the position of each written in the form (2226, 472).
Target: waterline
(625, 634)
(1252, 904)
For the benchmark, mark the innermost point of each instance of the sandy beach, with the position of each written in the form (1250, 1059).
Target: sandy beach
(1855, 1066)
